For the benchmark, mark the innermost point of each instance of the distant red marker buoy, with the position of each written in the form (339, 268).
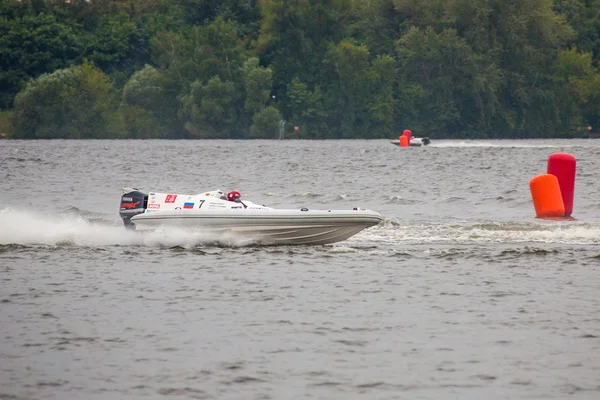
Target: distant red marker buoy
(563, 166)
(403, 141)
(408, 134)
(547, 199)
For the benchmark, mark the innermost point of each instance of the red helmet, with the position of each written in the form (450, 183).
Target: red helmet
(233, 196)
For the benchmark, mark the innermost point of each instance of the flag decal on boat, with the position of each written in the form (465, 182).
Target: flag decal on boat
(188, 205)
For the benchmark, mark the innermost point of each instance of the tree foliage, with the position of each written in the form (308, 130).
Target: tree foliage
(73, 103)
(150, 96)
(336, 69)
(30, 46)
(265, 123)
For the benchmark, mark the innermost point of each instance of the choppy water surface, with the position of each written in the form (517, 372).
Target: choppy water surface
(459, 293)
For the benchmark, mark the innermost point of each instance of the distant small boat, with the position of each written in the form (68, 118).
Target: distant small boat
(414, 141)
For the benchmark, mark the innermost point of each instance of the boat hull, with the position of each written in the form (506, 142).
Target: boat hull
(284, 227)
(414, 142)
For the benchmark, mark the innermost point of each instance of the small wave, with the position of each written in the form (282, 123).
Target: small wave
(19, 159)
(76, 211)
(308, 194)
(453, 199)
(85, 214)
(526, 251)
(12, 248)
(343, 249)
(394, 199)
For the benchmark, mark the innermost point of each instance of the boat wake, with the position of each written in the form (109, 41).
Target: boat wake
(29, 228)
(394, 231)
(508, 144)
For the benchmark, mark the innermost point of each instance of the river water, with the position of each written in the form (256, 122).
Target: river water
(459, 293)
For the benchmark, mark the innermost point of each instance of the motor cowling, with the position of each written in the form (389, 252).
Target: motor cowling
(132, 203)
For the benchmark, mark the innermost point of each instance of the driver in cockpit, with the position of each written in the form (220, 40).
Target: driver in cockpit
(234, 196)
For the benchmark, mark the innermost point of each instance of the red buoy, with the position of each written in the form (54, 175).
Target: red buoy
(408, 134)
(563, 166)
(547, 199)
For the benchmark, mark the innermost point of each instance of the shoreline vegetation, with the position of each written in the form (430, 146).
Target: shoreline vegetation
(267, 69)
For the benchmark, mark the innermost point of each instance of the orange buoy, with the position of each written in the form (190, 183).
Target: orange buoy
(403, 141)
(563, 166)
(547, 199)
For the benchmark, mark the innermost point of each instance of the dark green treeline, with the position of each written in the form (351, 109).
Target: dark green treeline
(332, 68)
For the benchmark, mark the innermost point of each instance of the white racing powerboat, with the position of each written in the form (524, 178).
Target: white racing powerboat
(213, 212)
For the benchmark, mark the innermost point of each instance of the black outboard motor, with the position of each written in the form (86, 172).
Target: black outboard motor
(132, 203)
(425, 141)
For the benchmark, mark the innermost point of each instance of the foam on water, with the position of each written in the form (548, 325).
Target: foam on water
(564, 232)
(503, 144)
(35, 228)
